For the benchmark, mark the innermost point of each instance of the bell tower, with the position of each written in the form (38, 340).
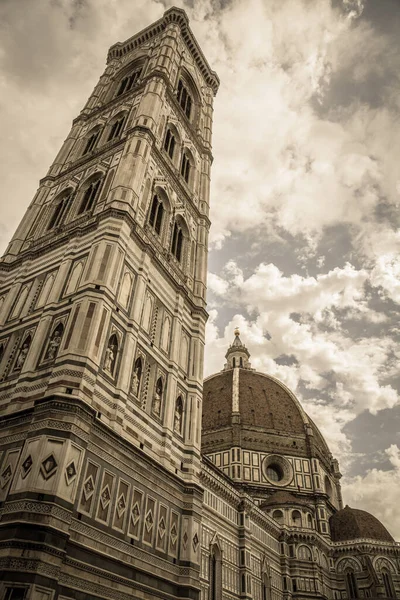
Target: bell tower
(102, 295)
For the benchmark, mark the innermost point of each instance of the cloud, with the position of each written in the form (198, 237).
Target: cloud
(365, 492)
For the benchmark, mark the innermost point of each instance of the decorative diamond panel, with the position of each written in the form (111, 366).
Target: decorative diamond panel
(105, 497)
(185, 539)
(88, 488)
(135, 515)
(48, 467)
(174, 534)
(70, 472)
(195, 542)
(149, 521)
(161, 528)
(121, 505)
(26, 466)
(5, 476)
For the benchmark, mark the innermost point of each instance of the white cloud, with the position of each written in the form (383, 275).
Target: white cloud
(378, 492)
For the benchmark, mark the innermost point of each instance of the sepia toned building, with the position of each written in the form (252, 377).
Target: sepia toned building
(122, 475)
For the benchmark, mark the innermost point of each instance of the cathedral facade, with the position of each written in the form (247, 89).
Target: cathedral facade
(122, 475)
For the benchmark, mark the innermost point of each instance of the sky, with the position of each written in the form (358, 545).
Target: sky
(305, 238)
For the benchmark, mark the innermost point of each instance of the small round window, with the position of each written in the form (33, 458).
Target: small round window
(274, 472)
(277, 470)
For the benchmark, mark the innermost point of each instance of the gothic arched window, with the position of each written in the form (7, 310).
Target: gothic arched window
(185, 167)
(215, 570)
(304, 553)
(184, 99)
(61, 206)
(266, 587)
(128, 82)
(388, 583)
(351, 585)
(177, 242)
(91, 141)
(156, 214)
(116, 128)
(169, 143)
(89, 196)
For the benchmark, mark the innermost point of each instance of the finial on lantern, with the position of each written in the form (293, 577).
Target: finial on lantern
(237, 332)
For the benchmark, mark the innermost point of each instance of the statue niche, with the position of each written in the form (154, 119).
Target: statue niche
(54, 343)
(110, 358)
(19, 363)
(137, 376)
(178, 415)
(157, 399)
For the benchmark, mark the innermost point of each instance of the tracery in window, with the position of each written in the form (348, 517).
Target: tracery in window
(184, 99)
(185, 167)
(61, 207)
(177, 242)
(128, 82)
(156, 214)
(169, 143)
(116, 128)
(91, 142)
(89, 196)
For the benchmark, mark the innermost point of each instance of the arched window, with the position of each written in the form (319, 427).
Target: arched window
(309, 521)
(110, 358)
(277, 515)
(388, 583)
(89, 196)
(169, 143)
(328, 486)
(137, 376)
(177, 242)
(125, 291)
(156, 214)
(215, 570)
(296, 518)
(351, 585)
(129, 81)
(185, 167)
(116, 128)
(178, 415)
(266, 587)
(61, 207)
(91, 142)
(184, 99)
(304, 553)
(54, 342)
(74, 278)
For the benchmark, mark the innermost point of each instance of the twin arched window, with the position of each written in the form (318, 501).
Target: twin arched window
(169, 143)
(91, 142)
(185, 166)
(89, 196)
(61, 209)
(177, 242)
(156, 214)
(128, 82)
(351, 585)
(116, 128)
(184, 99)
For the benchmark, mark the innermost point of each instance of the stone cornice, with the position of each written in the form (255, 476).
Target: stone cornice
(179, 17)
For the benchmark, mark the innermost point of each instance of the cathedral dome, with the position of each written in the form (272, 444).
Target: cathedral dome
(352, 524)
(242, 407)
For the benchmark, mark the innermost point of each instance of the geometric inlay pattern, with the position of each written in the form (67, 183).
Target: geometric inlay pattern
(105, 497)
(185, 539)
(149, 521)
(26, 466)
(161, 528)
(174, 534)
(88, 488)
(5, 476)
(48, 466)
(121, 506)
(70, 472)
(135, 514)
(195, 541)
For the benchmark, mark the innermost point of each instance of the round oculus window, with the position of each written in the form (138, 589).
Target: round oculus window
(277, 470)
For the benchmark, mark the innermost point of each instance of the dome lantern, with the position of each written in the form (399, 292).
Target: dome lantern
(237, 354)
